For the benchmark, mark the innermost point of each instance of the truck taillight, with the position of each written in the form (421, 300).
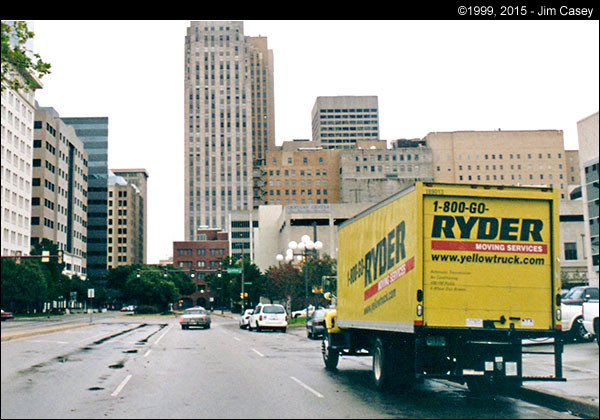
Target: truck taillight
(558, 314)
(286, 318)
(260, 317)
(419, 310)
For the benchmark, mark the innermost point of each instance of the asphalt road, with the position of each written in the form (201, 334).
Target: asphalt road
(132, 367)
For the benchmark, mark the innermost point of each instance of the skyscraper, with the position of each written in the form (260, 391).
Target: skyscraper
(93, 132)
(229, 121)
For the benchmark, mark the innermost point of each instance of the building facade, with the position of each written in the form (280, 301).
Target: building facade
(587, 133)
(229, 120)
(202, 257)
(298, 172)
(139, 178)
(370, 172)
(500, 158)
(93, 132)
(17, 110)
(338, 122)
(125, 231)
(59, 189)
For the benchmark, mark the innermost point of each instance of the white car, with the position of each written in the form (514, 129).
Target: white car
(268, 315)
(302, 312)
(590, 318)
(245, 318)
(572, 324)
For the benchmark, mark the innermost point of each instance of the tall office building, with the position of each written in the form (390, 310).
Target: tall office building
(139, 178)
(18, 108)
(229, 121)
(587, 133)
(93, 132)
(59, 189)
(125, 222)
(339, 121)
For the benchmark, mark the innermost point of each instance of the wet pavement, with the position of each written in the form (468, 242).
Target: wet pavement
(578, 395)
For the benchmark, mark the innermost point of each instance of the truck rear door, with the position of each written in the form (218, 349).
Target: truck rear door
(487, 262)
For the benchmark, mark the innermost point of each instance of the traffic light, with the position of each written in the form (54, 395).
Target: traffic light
(165, 272)
(139, 273)
(60, 257)
(18, 257)
(193, 274)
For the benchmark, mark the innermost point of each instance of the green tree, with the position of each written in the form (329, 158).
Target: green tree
(17, 60)
(285, 283)
(24, 286)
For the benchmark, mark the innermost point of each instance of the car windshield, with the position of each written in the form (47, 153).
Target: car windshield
(273, 310)
(195, 312)
(574, 294)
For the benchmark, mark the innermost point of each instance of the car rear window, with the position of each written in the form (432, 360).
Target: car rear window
(195, 312)
(273, 310)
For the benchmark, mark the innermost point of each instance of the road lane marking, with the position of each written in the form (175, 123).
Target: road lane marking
(257, 352)
(299, 382)
(121, 386)
(147, 353)
(237, 338)
(165, 333)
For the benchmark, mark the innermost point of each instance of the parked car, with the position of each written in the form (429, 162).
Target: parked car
(245, 318)
(6, 315)
(194, 317)
(590, 318)
(268, 315)
(315, 323)
(128, 308)
(302, 312)
(572, 311)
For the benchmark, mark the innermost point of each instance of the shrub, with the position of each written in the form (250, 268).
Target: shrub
(147, 309)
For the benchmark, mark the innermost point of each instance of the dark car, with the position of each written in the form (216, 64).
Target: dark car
(6, 315)
(315, 323)
(578, 295)
(194, 317)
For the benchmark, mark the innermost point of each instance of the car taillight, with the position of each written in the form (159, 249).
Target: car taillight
(260, 317)
(286, 317)
(180, 319)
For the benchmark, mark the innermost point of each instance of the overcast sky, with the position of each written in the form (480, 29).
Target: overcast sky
(428, 76)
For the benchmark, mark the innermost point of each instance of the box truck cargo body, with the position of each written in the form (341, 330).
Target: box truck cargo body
(446, 280)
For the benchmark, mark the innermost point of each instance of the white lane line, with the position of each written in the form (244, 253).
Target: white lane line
(257, 352)
(121, 386)
(165, 333)
(299, 382)
(237, 338)
(147, 353)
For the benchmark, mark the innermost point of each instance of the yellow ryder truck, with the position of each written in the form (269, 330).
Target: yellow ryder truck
(446, 281)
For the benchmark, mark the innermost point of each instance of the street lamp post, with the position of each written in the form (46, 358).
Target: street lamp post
(305, 247)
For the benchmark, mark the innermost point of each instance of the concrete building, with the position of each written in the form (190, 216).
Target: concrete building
(204, 256)
(125, 231)
(139, 178)
(93, 132)
(371, 172)
(60, 187)
(500, 158)
(278, 225)
(229, 120)
(17, 110)
(587, 133)
(573, 263)
(241, 226)
(300, 172)
(338, 122)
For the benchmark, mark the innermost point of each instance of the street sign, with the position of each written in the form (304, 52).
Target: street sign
(247, 282)
(234, 271)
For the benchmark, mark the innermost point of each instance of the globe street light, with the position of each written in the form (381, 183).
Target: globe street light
(306, 248)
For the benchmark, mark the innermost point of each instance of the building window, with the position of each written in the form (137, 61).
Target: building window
(570, 251)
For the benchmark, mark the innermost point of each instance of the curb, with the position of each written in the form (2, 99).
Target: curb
(22, 334)
(576, 406)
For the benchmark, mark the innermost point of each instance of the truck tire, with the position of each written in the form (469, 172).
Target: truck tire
(330, 355)
(382, 365)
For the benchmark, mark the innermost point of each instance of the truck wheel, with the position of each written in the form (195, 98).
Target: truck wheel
(330, 355)
(381, 365)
